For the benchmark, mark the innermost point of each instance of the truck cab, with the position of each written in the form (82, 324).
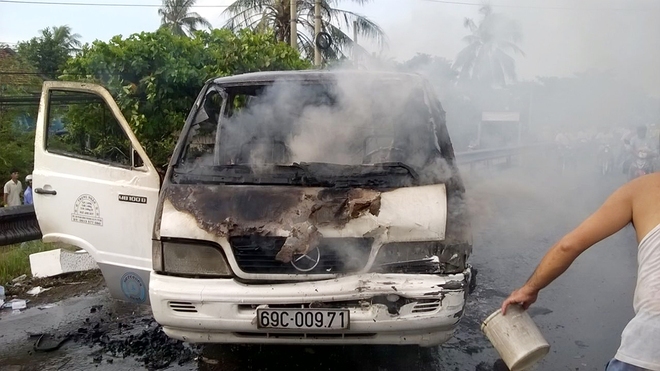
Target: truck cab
(315, 207)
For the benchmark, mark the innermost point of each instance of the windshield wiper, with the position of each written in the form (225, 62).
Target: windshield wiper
(409, 168)
(364, 174)
(248, 174)
(303, 174)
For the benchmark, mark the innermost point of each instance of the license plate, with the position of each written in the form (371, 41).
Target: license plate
(307, 319)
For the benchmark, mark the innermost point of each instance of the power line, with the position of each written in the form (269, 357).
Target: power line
(116, 5)
(19, 73)
(450, 2)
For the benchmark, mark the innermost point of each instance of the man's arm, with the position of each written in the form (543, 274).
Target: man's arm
(613, 215)
(4, 199)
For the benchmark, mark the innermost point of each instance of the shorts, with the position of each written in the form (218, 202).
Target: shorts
(616, 365)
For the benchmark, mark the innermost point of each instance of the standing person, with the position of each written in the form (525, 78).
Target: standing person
(27, 196)
(642, 141)
(638, 142)
(636, 202)
(13, 189)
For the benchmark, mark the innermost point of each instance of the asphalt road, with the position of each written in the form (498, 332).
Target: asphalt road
(519, 213)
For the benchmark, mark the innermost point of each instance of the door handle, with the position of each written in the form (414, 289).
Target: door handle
(42, 191)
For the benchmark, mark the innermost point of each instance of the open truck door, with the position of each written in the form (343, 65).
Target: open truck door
(94, 186)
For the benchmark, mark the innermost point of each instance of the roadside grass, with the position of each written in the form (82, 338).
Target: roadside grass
(15, 261)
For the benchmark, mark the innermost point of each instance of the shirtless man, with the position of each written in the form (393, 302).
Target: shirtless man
(638, 202)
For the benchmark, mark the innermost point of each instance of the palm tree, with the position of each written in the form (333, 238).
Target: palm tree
(276, 15)
(485, 59)
(176, 17)
(64, 37)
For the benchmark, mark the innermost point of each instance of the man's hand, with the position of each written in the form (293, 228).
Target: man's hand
(524, 296)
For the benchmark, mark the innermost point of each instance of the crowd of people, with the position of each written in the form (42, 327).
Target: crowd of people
(14, 194)
(621, 144)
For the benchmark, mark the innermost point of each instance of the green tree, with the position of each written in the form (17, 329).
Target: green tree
(155, 77)
(176, 17)
(16, 75)
(17, 78)
(275, 15)
(64, 36)
(50, 50)
(485, 59)
(17, 150)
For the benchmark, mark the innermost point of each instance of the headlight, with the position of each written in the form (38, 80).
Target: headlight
(196, 259)
(422, 257)
(405, 251)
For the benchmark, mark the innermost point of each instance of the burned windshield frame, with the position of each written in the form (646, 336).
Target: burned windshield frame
(219, 111)
(209, 110)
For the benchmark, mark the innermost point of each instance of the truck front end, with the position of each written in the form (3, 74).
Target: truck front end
(277, 226)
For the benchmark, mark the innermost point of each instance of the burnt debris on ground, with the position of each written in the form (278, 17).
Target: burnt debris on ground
(140, 338)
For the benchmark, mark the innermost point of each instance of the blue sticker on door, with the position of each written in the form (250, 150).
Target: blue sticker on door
(133, 287)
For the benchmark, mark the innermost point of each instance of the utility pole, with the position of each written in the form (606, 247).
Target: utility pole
(531, 101)
(294, 24)
(317, 30)
(355, 43)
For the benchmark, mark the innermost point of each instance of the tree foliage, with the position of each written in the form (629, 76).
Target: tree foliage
(17, 76)
(17, 150)
(50, 50)
(155, 77)
(65, 36)
(16, 121)
(177, 17)
(485, 59)
(275, 15)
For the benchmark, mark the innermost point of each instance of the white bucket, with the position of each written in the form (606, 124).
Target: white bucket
(515, 337)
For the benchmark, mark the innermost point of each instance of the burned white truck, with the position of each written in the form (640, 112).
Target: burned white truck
(316, 207)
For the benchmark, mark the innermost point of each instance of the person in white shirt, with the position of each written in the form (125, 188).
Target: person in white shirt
(13, 189)
(634, 142)
(27, 195)
(642, 141)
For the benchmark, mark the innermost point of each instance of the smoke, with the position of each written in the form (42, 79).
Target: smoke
(353, 119)
(560, 37)
(598, 74)
(588, 67)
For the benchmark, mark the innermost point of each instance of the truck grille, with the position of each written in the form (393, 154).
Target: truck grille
(182, 306)
(426, 305)
(256, 254)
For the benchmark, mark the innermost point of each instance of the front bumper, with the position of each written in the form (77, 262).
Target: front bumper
(224, 310)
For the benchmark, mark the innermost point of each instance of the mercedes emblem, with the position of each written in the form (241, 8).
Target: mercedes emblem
(307, 262)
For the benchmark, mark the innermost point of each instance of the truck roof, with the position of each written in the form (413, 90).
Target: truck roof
(258, 78)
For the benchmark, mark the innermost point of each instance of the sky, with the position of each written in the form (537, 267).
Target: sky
(560, 37)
